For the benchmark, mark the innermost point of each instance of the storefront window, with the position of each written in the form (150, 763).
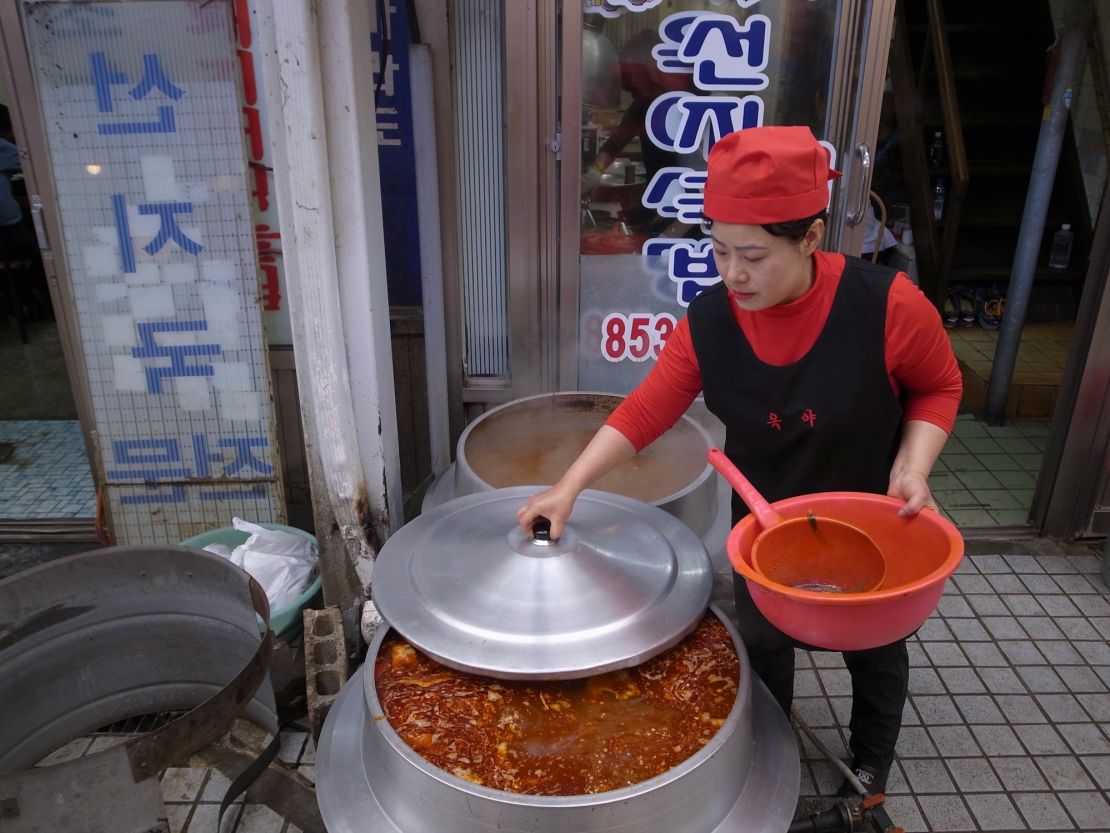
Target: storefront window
(661, 82)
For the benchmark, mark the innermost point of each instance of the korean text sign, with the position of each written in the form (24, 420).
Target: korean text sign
(142, 106)
(706, 73)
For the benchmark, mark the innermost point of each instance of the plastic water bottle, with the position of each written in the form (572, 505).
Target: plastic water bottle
(936, 150)
(909, 255)
(1060, 255)
(938, 200)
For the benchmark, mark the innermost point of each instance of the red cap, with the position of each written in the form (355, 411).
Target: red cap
(764, 175)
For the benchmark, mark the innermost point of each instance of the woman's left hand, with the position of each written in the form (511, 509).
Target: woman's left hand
(912, 487)
(909, 476)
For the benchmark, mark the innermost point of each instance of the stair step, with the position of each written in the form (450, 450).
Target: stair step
(996, 120)
(1001, 168)
(991, 169)
(988, 27)
(996, 272)
(1008, 71)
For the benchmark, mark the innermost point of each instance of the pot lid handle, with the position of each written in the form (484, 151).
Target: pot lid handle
(541, 530)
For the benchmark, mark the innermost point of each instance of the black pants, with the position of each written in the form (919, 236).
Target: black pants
(880, 680)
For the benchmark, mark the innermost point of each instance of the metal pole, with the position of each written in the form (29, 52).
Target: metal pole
(323, 135)
(431, 259)
(1072, 47)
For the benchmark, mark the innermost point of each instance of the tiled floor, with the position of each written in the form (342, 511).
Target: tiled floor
(986, 474)
(1007, 725)
(33, 379)
(1037, 371)
(1008, 721)
(193, 795)
(46, 474)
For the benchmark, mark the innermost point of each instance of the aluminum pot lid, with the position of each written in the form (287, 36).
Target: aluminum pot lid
(467, 587)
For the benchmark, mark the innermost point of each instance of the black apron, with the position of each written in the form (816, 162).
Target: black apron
(827, 422)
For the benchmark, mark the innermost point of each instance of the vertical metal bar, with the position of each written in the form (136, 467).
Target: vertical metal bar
(1045, 159)
(1073, 471)
(569, 224)
(431, 263)
(325, 176)
(480, 106)
(855, 120)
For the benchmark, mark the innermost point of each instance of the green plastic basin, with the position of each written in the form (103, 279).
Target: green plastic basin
(286, 622)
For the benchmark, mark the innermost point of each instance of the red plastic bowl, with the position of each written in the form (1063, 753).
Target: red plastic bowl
(921, 553)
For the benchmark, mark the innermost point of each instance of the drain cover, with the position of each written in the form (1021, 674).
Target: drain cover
(6, 451)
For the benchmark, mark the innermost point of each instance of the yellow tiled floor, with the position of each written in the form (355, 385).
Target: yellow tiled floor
(986, 474)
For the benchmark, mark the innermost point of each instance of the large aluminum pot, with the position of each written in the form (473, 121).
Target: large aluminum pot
(532, 441)
(745, 780)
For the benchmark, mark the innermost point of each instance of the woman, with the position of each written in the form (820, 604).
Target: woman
(828, 373)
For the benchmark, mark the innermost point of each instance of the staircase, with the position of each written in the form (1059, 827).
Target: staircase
(976, 72)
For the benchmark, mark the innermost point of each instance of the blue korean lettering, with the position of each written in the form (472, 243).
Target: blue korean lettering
(689, 290)
(677, 192)
(662, 189)
(169, 229)
(659, 246)
(103, 79)
(154, 78)
(693, 259)
(156, 495)
(250, 493)
(672, 32)
(177, 353)
(243, 456)
(149, 459)
(690, 265)
(701, 119)
(722, 53)
(123, 233)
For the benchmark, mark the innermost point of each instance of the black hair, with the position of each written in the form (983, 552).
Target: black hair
(5, 119)
(795, 230)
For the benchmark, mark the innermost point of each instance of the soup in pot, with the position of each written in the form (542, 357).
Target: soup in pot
(570, 737)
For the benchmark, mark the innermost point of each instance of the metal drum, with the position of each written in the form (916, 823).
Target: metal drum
(745, 780)
(532, 441)
(624, 582)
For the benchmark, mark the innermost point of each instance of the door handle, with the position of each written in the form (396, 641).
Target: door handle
(40, 226)
(863, 154)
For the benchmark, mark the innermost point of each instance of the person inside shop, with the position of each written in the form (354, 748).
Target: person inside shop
(11, 213)
(642, 79)
(17, 237)
(829, 373)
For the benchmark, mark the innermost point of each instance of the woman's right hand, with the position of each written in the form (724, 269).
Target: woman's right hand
(555, 504)
(607, 450)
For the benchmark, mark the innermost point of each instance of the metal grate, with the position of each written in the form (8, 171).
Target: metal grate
(139, 724)
(477, 44)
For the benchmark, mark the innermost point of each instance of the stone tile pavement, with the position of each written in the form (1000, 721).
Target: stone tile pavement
(1008, 721)
(1007, 726)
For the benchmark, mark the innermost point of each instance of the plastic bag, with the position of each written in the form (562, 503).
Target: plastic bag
(282, 562)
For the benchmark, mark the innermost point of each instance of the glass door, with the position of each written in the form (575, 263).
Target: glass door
(655, 84)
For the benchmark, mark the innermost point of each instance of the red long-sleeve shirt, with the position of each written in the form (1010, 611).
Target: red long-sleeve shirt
(919, 359)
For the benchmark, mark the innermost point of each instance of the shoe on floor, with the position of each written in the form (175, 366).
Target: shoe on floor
(872, 780)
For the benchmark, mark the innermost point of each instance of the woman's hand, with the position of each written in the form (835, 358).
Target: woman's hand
(555, 504)
(909, 476)
(607, 450)
(912, 487)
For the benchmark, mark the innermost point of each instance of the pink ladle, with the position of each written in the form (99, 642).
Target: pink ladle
(812, 553)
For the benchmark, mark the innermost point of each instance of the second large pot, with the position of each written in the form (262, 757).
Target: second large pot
(531, 441)
(745, 780)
